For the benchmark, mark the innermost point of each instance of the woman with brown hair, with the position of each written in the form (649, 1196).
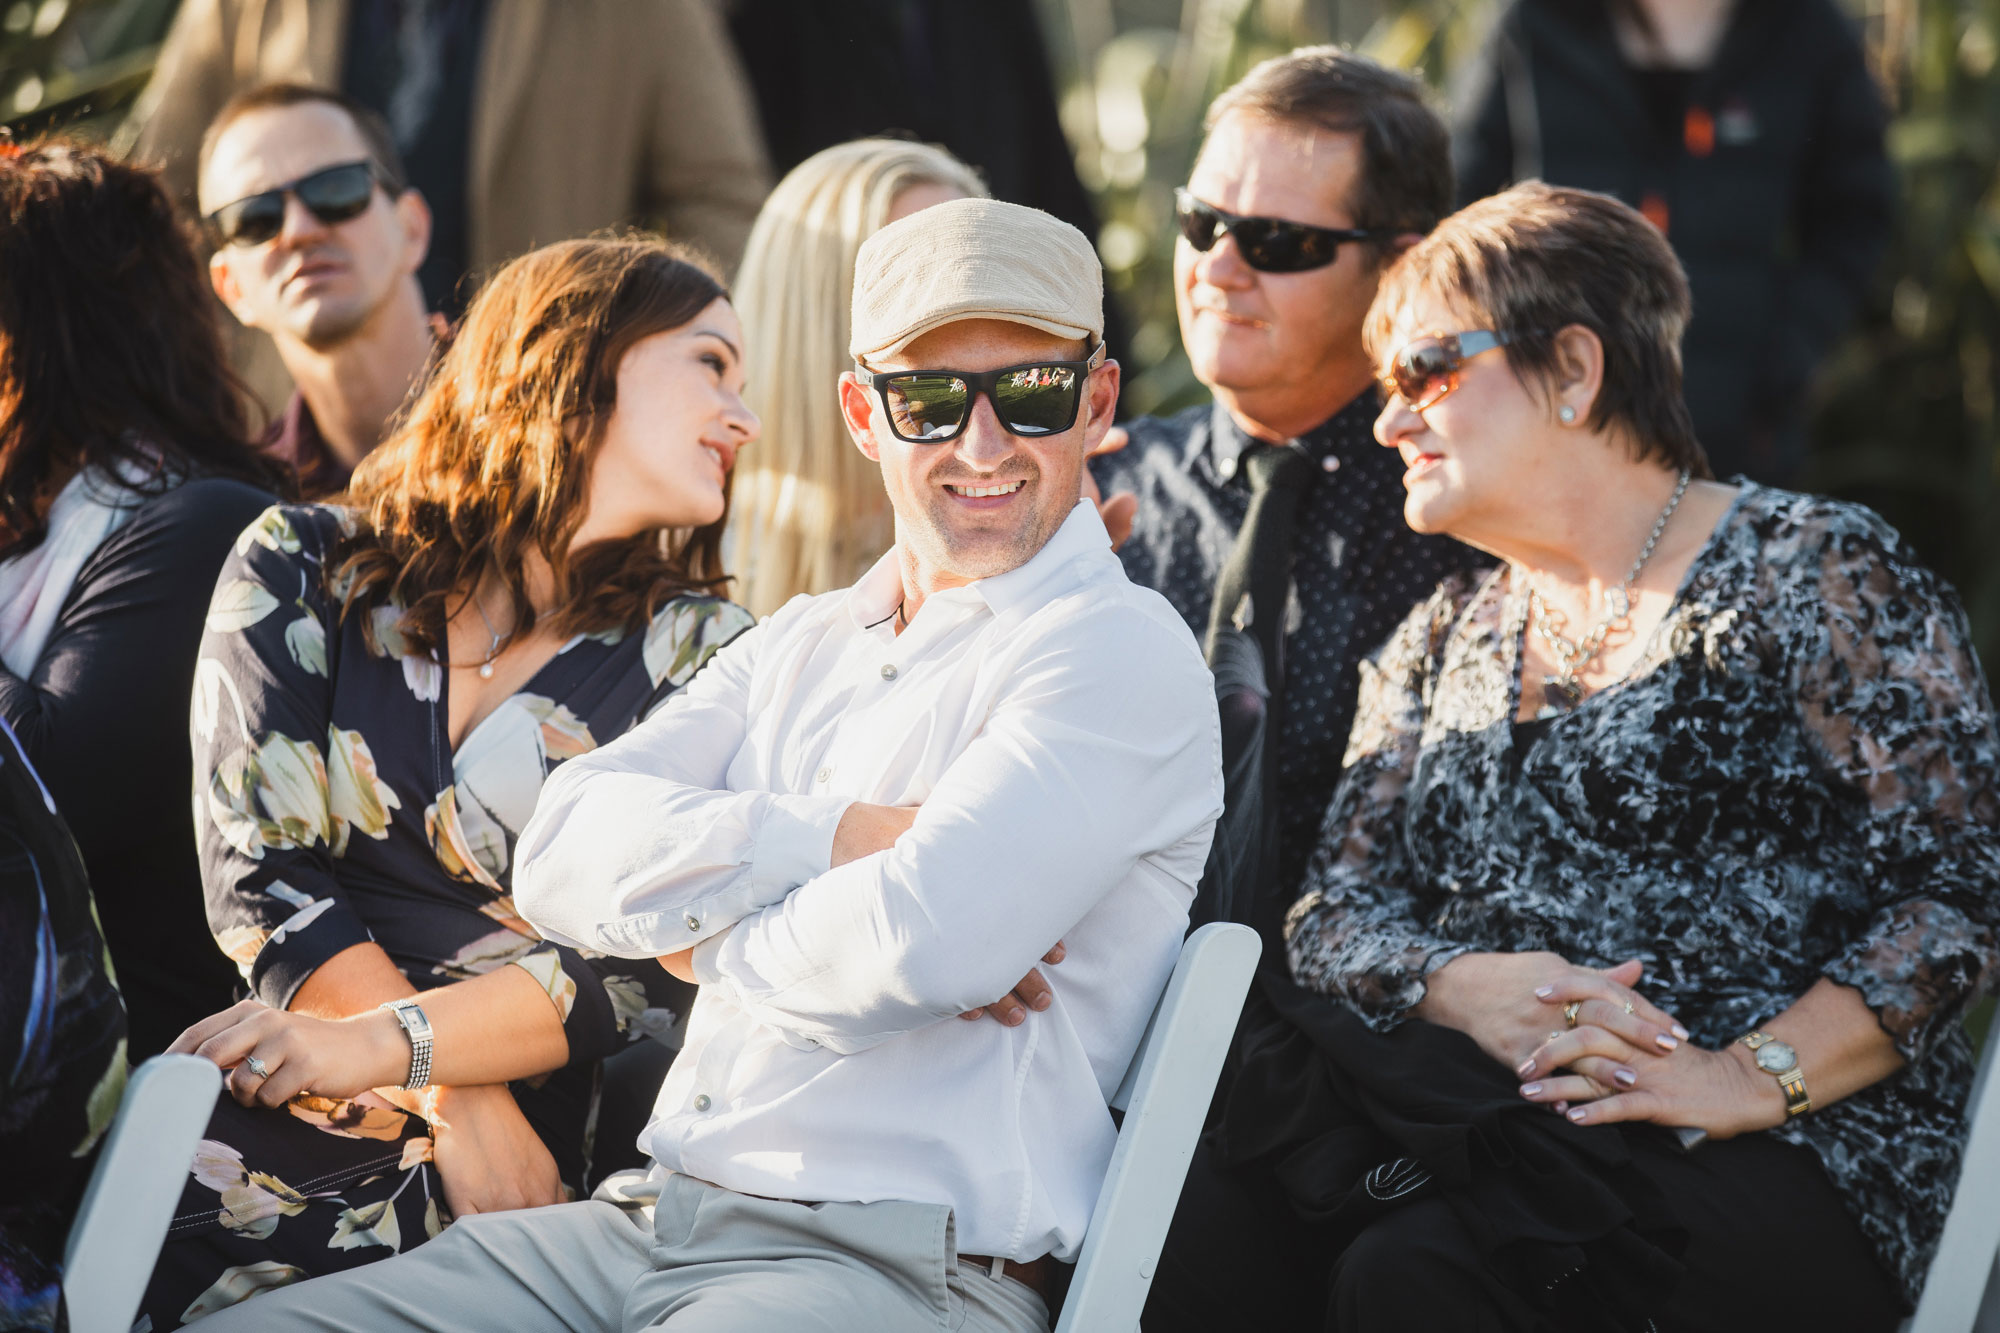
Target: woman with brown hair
(124, 470)
(523, 569)
(1631, 964)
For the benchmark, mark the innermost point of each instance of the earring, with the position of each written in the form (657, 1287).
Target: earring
(1567, 415)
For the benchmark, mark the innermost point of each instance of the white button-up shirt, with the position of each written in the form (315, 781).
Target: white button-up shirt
(1057, 727)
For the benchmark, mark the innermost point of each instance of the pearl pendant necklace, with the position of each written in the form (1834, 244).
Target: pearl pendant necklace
(493, 648)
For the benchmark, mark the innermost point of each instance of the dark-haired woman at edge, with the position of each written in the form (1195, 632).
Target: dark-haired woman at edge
(524, 568)
(124, 473)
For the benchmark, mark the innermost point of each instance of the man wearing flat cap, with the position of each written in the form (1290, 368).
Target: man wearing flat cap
(864, 820)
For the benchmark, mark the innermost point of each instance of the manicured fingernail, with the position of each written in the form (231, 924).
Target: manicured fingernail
(1561, 1107)
(1576, 1113)
(1625, 1078)
(1544, 992)
(1680, 1032)
(1667, 1043)
(1041, 1002)
(1531, 1089)
(1525, 1068)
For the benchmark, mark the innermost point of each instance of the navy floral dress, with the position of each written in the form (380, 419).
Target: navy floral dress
(331, 810)
(1798, 780)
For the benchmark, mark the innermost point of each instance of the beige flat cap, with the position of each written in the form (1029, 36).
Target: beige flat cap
(974, 259)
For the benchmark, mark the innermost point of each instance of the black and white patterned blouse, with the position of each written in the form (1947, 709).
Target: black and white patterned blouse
(1357, 569)
(1797, 780)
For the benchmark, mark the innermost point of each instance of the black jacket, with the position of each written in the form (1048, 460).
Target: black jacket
(1775, 192)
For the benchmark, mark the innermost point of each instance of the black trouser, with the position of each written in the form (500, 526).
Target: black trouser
(1770, 1247)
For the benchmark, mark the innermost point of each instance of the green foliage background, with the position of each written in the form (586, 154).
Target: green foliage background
(1905, 413)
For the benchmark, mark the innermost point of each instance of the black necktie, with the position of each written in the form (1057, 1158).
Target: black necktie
(1245, 644)
(1255, 583)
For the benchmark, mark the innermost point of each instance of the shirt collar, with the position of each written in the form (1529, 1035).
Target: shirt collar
(1346, 435)
(876, 595)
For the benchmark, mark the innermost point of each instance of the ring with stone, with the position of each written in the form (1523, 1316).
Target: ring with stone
(256, 1066)
(1630, 1007)
(1569, 1012)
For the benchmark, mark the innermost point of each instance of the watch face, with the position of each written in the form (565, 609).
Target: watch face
(1775, 1057)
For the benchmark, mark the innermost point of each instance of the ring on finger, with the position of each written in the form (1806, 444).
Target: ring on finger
(1630, 1007)
(1570, 1011)
(256, 1066)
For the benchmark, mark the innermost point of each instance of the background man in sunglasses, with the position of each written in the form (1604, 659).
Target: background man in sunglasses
(861, 821)
(1318, 168)
(318, 242)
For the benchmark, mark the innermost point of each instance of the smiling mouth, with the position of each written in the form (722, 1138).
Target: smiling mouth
(982, 492)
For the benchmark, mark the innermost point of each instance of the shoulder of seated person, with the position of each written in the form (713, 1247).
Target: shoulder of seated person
(1128, 626)
(1146, 434)
(202, 512)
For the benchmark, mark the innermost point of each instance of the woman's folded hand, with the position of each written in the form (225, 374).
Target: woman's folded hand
(1512, 1003)
(271, 1055)
(1596, 1078)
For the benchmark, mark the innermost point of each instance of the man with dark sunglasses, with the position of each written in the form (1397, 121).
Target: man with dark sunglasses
(1318, 169)
(317, 243)
(1272, 518)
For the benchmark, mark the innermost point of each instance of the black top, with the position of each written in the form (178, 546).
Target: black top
(1778, 197)
(61, 1042)
(1800, 779)
(417, 62)
(1358, 570)
(104, 717)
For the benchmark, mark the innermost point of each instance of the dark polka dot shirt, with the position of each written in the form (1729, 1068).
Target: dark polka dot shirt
(1357, 571)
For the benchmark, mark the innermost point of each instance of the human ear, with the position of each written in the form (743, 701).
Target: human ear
(1578, 374)
(222, 278)
(857, 406)
(413, 215)
(1100, 403)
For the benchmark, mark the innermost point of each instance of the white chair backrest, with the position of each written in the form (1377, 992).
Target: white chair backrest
(1971, 1241)
(1165, 1098)
(138, 1179)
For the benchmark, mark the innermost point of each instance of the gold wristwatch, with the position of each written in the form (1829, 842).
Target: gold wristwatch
(1780, 1061)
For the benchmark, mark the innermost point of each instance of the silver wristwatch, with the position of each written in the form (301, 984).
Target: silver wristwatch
(411, 1015)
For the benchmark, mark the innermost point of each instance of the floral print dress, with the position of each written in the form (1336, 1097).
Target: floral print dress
(330, 811)
(1800, 779)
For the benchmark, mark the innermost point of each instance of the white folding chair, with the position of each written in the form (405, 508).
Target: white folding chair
(1165, 1097)
(1966, 1257)
(116, 1237)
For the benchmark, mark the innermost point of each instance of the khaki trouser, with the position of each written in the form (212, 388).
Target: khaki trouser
(711, 1260)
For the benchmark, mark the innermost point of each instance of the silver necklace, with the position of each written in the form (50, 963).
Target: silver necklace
(493, 648)
(1564, 690)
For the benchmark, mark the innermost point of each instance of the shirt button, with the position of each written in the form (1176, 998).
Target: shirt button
(1330, 463)
(1227, 468)
(701, 1103)
(888, 671)
(824, 775)
(694, 922)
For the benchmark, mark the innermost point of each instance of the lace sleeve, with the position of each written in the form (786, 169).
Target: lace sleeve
(1357, 932)
(1890, 689)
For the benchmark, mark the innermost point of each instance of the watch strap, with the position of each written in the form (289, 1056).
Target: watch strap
(418, 1028)
(1793, 1081)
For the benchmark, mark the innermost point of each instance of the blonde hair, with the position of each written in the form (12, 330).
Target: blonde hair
(809, 514)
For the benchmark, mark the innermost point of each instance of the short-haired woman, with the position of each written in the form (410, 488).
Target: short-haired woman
(809, 514)
(1685, 816)
(524, 568)
(125, 467)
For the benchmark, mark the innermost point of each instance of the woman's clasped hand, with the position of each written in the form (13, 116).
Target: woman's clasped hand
(1623, 1058)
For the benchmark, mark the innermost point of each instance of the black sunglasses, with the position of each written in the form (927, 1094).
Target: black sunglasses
(932, 406)
(332, 194)
(1269, 245)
